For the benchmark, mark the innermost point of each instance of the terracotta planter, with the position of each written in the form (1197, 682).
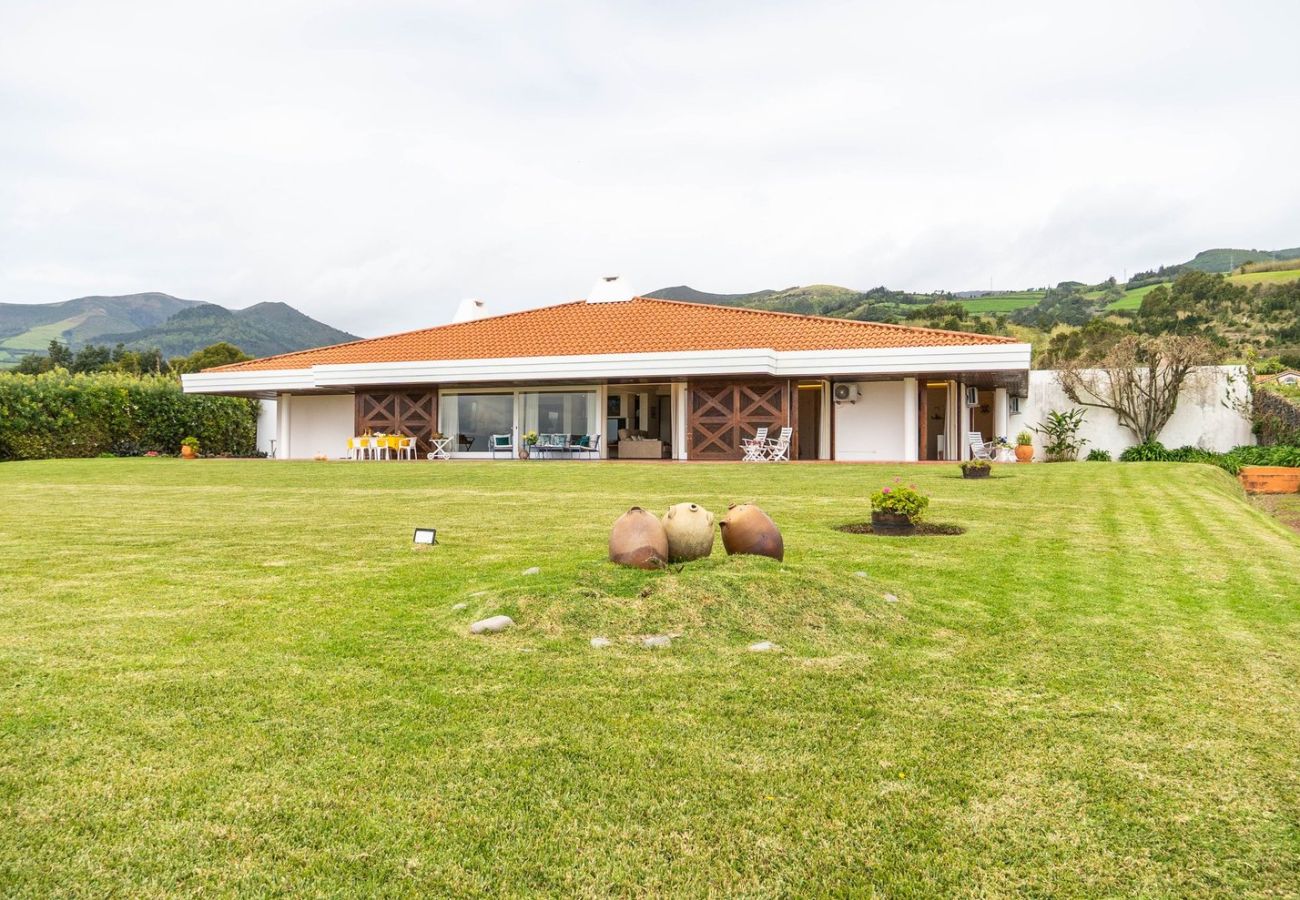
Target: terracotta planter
(187, 452)
(1025, 453)
(638, 539)
(747, 530)
(891, 523)
(689, 527)
(1270, 479)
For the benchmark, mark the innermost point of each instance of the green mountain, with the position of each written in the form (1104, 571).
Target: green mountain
(1225, 259)
(259, 330)
(143, 321)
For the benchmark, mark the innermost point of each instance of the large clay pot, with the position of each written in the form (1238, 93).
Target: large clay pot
(689, 527)
(1025, 453)
(638, 539)
(746, 529)
(187, 452)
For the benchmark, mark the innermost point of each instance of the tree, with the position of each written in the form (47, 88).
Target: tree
(1139, 379)
(218, 354)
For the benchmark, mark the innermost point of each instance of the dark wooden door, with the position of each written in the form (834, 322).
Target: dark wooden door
(721, 413)
(405, 412)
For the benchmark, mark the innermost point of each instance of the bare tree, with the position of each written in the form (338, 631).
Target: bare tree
(1138, 378)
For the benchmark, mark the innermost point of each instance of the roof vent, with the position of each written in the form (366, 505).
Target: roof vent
(610, 289)
(469, 310)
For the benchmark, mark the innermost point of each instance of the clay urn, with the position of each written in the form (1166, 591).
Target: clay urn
(638, 540)
(746, 529)
(689, 527)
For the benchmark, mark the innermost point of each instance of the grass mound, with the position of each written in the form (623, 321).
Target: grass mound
(718, 602)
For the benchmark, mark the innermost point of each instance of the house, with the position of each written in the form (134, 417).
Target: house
(653, 378)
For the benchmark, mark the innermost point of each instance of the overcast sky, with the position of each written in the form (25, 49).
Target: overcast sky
(372, 163)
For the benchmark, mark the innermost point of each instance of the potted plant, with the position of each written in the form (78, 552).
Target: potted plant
(896, 509)
(1025, 446)
(976, 468)
(527, 444)
(190, 448)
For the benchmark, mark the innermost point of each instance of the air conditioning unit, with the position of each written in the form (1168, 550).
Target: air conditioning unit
(846, 393)
(972, 396)
(1015, 404)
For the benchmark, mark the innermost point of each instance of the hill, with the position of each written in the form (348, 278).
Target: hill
(259, 330)
(1225, 259)
(143, 321)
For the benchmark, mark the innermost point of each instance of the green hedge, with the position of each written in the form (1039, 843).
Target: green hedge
(1232, 461)
(57, 414)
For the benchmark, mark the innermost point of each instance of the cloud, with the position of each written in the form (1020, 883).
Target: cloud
(372, 163)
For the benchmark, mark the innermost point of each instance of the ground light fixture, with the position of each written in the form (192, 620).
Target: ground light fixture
(425, 536)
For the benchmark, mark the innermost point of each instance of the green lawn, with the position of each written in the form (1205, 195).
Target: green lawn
(1279, 277)
(992, 304)
(1133, 299)
(239, 677)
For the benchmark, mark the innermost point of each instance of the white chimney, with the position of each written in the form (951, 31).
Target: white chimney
(610, 289)
(469, 310)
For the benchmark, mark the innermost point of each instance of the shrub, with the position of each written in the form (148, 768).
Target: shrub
(1096, 454)
(1025, 439)
(57, 414)
(1151, 451)
(1062, 432)
(901, 500)
(975, 465)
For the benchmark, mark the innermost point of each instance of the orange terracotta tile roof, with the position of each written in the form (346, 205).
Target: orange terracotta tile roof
(640, 325)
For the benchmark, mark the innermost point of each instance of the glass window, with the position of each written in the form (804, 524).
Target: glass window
(470, 420)
(570, 412)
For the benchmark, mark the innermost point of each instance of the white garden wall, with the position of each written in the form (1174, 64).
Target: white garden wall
(315, 423)
(873, 428)
(1202, 418)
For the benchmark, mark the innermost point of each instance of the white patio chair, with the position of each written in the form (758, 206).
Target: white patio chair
(405, 447)
(980, 448)
(779, 449)
(502, 443)
(756, 447)
(592, 447)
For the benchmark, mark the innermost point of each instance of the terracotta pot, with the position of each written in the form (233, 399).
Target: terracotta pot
(1270, 479)
(1024, 453)
(638, 539)
(746, 529)
(689, 527)
(187, 452)
(891, 523)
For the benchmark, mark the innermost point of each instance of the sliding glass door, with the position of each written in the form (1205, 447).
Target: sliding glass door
(470, 420)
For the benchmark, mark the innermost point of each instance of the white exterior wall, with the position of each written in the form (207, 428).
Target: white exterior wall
(1202, 419)
(314, 424)
(267, 419)
(872, 429)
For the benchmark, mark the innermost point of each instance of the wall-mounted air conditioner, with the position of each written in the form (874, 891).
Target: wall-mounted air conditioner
(846, 393)
(972, 396)
(1015, 404)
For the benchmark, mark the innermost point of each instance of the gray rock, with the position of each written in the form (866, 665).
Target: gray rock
(891, 598)
(460, 606)
(533, 570)
(600, 642)
(655, 641)
(762, 647)
(861, 575)
(491, 625)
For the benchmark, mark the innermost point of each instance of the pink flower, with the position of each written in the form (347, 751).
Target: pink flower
(884, 490)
